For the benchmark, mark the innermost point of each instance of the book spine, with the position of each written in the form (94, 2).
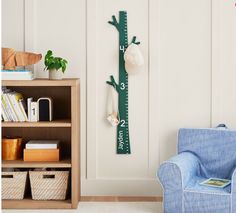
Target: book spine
(7, 107)
(22, 108)
(29, 100)
(40, 146)
(4, 115)
(4, 106)
(16, 107)
(15, 118)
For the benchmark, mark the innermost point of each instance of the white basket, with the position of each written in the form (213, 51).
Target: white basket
(49, 185)
(13, 185)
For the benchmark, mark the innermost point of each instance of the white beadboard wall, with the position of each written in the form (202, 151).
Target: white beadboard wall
(187, 80)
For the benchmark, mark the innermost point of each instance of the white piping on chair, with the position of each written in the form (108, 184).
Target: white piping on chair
(231, 199)
(204, 192)
(163, 195)
(232, 183)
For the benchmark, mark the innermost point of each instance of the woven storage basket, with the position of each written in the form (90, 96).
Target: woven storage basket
(13, 185)
(49, 185)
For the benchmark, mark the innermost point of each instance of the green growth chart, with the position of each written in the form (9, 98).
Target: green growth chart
(123, 140)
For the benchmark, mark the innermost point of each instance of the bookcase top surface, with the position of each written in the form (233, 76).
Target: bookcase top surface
(42, 82)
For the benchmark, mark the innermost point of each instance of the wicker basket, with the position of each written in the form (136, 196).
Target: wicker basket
(49, 185)
(13, 185)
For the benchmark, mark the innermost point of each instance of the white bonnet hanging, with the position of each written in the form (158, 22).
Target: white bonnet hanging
(112, 107)
(133, 59)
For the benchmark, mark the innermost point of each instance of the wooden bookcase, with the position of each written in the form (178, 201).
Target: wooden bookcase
(64, 127)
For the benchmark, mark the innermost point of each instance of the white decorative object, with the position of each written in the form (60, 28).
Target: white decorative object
(34, 111)
(133, 59)
(113, 119)
(55, 74)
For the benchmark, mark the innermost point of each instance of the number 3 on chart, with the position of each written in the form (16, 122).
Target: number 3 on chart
(122, 86)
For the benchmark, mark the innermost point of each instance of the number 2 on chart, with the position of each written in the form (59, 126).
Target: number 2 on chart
(122, 123)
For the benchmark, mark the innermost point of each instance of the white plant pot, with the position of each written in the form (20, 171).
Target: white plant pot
(55, 74)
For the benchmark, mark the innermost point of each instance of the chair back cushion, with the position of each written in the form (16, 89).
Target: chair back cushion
(215, 149)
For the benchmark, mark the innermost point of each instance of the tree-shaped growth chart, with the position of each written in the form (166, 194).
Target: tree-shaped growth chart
(123, 140)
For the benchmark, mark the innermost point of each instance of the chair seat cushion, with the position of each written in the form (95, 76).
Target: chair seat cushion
(195, 187)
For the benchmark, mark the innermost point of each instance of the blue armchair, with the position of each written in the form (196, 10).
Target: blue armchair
(202, 154)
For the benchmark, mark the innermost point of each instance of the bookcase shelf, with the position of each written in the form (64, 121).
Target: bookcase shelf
(25, 164)
(56, 123)
(41, 82)
(65, 127)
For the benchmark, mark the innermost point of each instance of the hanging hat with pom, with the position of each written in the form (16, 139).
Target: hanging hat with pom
(133, 59)
(112, 106)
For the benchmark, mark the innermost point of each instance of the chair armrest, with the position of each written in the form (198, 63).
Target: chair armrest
(175, 173)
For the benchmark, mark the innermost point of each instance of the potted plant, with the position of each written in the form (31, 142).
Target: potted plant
(55, 65)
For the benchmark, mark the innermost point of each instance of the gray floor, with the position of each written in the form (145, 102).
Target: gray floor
(104, 207)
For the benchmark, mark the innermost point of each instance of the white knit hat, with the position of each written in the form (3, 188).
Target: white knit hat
(133, 59)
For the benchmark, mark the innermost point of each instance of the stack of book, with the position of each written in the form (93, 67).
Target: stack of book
(17, 75)
(13, 106)
(42, 150)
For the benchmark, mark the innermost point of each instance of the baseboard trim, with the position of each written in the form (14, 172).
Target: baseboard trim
(120, 199)
(121, 187)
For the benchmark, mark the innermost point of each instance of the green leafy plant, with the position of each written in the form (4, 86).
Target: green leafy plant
(52, 62)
